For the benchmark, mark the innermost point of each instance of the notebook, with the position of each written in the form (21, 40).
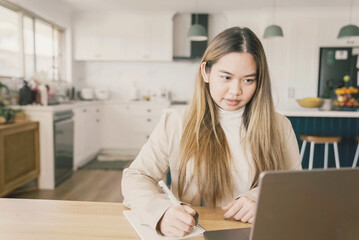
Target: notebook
(147, 233)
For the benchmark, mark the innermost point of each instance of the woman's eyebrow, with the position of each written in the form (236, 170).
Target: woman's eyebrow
(251, 75)
(223, 71)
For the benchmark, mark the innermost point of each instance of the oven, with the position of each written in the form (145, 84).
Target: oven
(63, 145)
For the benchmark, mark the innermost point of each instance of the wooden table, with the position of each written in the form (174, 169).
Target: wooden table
(25, 219)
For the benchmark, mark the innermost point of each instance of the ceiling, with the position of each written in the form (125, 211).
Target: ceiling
(207, 6)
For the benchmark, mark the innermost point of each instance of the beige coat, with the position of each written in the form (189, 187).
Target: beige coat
(161, 154)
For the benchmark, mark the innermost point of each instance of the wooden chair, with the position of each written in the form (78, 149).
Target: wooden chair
(320, 140)
(355, 162)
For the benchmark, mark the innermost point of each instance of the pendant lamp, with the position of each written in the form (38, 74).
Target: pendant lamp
(349, 30)
(273, 30)
(197, 32)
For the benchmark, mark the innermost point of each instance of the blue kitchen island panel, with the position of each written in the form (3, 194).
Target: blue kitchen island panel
(347, 128)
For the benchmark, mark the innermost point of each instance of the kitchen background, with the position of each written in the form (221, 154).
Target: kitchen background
(119, 46)
(293, 59)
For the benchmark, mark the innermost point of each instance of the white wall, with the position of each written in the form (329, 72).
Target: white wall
(293, 60)
(118, 77)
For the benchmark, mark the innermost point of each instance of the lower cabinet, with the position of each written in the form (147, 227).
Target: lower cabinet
(129, 125)
(19, 155)
(87, 133)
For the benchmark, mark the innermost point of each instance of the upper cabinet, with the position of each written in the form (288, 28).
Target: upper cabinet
(135, 36)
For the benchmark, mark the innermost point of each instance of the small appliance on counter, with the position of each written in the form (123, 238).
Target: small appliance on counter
(102, 94)
(86, 94)
(25, 94)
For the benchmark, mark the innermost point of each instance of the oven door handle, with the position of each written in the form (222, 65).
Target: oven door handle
(63, 120)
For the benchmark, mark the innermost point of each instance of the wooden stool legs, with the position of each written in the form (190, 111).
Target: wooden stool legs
(311, 154)
(355, 162)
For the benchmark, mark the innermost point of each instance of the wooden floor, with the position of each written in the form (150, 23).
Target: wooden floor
(84, 185)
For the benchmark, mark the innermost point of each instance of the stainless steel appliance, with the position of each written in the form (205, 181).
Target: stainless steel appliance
(63, 145)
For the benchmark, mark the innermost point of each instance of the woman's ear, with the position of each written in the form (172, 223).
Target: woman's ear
(203, 72)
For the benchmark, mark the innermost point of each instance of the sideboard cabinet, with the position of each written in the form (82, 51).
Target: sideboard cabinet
(19, 155)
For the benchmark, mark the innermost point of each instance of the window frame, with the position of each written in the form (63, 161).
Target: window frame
(26, 13)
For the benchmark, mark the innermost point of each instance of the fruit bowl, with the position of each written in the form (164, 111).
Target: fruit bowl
(346, 97)
(310, 102)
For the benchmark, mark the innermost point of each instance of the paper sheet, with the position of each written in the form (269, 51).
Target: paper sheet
(146, 233)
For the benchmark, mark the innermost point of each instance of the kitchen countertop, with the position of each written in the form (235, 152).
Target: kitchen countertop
(308, 112)
(57, 107)
(290, 112)
(302, 112)
(140, 102)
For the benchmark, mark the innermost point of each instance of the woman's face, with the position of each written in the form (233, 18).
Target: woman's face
(232, 80)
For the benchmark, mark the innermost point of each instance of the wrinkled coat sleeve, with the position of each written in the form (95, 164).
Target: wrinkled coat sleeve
(290, 152)
(139, 183)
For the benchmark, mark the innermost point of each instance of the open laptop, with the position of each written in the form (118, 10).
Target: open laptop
(303, 205)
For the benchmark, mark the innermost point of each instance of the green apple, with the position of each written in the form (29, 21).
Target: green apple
(346, 78)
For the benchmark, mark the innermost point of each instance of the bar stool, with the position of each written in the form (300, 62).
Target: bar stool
(356, 154)
(321, 140)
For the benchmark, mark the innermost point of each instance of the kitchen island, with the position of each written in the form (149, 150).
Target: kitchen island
(328, 123)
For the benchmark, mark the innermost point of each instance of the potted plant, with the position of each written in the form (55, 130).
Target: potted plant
(7, 114)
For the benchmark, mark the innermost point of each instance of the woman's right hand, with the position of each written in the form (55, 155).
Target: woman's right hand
(177, 221)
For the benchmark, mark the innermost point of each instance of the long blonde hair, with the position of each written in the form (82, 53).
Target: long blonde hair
(203, 139)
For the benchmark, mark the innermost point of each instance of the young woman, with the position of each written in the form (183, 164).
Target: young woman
(216, 151)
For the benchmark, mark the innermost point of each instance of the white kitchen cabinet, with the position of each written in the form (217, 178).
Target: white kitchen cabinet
(129, 125)
(135, 36)
(87, 133)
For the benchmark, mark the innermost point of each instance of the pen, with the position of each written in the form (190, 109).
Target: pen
(169, 193)
(173, 199)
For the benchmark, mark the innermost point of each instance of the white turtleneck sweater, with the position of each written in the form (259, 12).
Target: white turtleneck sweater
(161, 154)
(231, 123)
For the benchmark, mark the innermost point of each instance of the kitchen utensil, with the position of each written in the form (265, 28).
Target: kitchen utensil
(86, 94)
(25, 94)
(102, 94)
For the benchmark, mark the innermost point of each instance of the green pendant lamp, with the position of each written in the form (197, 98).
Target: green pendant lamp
(197, 32)
(349, 30)
(273, 30)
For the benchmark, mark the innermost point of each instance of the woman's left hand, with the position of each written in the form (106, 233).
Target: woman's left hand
(242, 209)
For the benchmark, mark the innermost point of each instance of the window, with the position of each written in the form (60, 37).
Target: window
(9, 43)
(44, 48)
(29, 47)
(58, 57)
(33, 45)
